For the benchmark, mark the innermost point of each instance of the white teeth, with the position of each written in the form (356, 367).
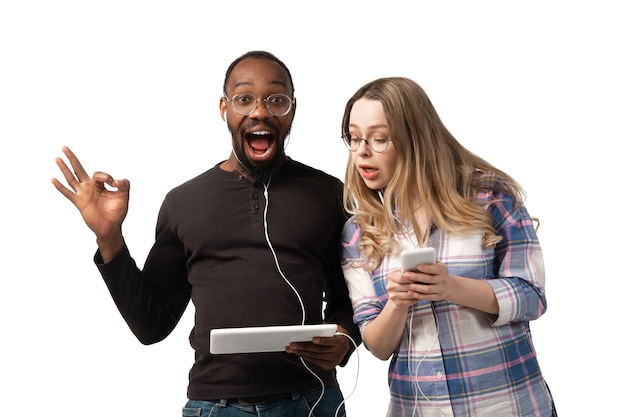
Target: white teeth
(261, 132)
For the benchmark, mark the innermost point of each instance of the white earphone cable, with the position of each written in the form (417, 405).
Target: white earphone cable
(269, 243)
(414, 374)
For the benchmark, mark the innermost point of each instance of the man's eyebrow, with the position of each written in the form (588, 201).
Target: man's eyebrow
(243, 83)
(273, 82)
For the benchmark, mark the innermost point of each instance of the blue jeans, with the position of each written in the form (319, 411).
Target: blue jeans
(298, 406)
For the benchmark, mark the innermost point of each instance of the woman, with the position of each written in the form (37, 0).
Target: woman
(457, 330)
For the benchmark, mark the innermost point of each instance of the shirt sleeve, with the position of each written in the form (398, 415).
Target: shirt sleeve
(151, 300)
(520, 283)
(365, 302)
(338, 306)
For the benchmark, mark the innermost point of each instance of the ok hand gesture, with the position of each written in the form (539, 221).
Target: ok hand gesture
(103, 209)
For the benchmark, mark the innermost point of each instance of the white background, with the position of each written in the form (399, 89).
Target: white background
(537, 88)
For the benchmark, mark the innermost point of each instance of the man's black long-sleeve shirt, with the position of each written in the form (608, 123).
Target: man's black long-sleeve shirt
(211, 247)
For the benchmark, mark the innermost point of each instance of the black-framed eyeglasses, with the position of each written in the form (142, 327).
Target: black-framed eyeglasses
(245, 103)
(377, 142)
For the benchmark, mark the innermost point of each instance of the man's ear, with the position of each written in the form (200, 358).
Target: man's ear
(224, 108)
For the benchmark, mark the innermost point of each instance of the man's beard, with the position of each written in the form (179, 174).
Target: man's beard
(255, 170)
(258, 171)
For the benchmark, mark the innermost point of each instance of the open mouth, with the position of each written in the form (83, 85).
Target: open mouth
(368, 172)
(260, 142)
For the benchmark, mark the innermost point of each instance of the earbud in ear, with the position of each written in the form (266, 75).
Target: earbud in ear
(225, 115)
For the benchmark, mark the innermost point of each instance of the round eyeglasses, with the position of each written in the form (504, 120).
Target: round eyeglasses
(245, 103)
(377, 142)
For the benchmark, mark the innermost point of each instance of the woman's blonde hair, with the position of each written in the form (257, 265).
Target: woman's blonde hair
(431, 164)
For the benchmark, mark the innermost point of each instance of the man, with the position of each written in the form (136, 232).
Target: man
(254, 241)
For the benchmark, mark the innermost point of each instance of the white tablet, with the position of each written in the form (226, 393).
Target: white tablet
(266, 338)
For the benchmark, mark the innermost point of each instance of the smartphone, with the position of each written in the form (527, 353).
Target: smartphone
(410, 258)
